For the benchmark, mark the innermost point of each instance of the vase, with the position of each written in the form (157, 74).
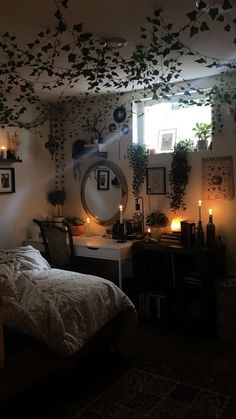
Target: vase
(77, 230)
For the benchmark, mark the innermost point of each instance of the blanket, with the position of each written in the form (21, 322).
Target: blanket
(60, 308)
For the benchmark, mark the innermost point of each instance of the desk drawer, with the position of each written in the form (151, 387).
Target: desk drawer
(97, 252)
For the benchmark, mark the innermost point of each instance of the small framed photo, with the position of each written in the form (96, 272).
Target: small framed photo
(103, 180)
(7, 180)
(166, 140)
(156, 181)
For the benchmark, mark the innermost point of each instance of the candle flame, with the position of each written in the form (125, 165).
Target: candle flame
(199, 203)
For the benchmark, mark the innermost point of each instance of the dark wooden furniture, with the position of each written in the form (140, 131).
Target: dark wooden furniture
(176, 284)
(58, 243)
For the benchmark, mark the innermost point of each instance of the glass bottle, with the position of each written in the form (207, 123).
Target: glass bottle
(137, 220)
(210, 232)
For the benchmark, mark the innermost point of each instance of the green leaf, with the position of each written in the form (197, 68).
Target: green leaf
(192, 15)
(66, 47)
(213, 13)
(201, 5)
(227, 5)
(221, 18)
(78, 28)
(193, 31)
(71, 58)
(204, 27)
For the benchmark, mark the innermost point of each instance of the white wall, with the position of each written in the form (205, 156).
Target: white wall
(32, 178)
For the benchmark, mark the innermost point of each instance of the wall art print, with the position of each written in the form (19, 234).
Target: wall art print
(218, 178)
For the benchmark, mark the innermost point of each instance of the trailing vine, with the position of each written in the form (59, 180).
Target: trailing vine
(179, 174)
(154, 65)
(138, 161)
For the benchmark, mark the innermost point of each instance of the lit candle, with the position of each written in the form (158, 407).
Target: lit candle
(210, 211)
(200, 209)
(3, 152)
(88, 220)
(149, 230)
(121, 214)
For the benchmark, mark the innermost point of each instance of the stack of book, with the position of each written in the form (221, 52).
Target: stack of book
(171, 236)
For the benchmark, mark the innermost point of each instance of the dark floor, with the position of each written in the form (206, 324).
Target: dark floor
(61, 395)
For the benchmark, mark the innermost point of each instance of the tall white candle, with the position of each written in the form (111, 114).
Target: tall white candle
(200, 209)
(3, 152)
(210, 211)
(121, 214)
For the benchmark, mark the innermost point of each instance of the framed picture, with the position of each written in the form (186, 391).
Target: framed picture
(103, 179)
(156, 181)
(7, 180)
(166, 140)
(218, 178)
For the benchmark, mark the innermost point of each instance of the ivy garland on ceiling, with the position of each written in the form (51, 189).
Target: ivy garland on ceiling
(154, 66)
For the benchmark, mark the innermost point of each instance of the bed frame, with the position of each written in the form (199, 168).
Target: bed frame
(27, 361)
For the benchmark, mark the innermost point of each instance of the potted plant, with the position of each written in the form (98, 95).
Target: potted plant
(57, 198)
(138, 160)
(77, 225)
(202, 132)
(179, 174)
(157, 220)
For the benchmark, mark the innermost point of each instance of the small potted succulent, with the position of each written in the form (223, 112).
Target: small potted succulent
(77, 225)
(157, 220)
(202, 131)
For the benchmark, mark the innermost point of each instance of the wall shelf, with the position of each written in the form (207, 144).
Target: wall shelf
(10, 161)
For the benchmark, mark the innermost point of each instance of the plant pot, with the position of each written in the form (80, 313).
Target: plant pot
(202, 145)
(58, 220)
(77, 230)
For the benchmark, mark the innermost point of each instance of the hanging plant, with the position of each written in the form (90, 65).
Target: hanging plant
(138, 160)
(179, 174)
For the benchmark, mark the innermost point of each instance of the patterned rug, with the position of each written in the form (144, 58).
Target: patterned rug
(173, 391)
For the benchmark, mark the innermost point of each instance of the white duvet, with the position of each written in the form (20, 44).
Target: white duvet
(63, 309)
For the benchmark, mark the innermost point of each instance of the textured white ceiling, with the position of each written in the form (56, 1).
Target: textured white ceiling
(115, 18)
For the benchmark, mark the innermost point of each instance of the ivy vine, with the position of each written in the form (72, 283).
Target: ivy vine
(154, 65)
(179, 174)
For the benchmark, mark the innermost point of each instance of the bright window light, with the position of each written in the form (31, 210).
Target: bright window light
(160, 126)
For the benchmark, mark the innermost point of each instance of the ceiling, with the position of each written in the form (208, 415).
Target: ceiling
(106, 18)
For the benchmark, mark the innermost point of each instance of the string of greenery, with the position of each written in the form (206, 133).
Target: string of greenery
(154, 65)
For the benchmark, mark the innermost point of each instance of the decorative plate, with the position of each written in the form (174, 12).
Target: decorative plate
(119, 114)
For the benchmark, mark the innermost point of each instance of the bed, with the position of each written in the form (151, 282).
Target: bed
(62, 311)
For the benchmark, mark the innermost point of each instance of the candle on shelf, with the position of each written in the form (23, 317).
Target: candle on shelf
(200, 209)
(121, 214)
(3, 152)
(149, 234)
(88, 221)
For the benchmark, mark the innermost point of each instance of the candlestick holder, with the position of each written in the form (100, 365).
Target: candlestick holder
(121, 233)
(200, 234)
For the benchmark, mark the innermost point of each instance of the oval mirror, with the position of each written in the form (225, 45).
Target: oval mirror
(103, 189)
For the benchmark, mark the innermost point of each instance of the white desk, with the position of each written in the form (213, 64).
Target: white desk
(98, 247)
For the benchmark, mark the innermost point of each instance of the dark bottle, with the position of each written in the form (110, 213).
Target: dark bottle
(200, 234)
(210, 233)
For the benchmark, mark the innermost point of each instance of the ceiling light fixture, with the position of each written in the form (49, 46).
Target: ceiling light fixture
(115, 42)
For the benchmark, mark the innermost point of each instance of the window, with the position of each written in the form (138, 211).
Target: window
(161, 125)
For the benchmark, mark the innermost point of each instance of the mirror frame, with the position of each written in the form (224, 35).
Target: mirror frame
(124, 190)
